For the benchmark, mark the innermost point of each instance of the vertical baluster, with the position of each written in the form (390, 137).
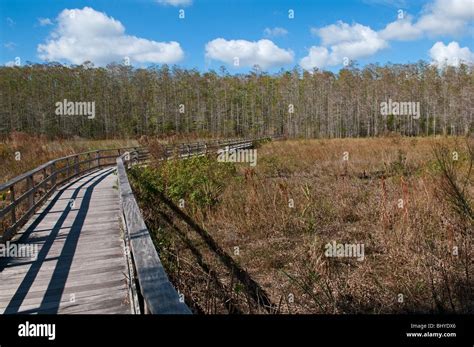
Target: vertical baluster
(45, 184)
(53, 175)
(31, 194)
(12, 200)
(76, 164)
(68, 169)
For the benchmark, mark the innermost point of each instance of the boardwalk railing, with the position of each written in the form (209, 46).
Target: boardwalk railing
(156, 294)
(201, 148)
(23, 194)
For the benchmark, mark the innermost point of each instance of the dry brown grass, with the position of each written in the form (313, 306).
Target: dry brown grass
(408, 249)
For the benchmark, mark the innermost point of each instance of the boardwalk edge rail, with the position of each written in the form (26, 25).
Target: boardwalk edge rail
(156, 293)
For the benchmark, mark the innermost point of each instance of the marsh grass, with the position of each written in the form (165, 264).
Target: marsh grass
(397, 196)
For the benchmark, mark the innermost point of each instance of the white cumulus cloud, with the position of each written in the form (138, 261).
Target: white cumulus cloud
(402, 29)
(342, 41)
(249, 53)
(317, 57)
(86, 34)
(451, 54)
(441, 17)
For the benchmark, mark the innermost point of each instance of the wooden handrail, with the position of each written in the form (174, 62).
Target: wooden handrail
(157, 294)
(46, 165)
(72, 168)
(204, 147)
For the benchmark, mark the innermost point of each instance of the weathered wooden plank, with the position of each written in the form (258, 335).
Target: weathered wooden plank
(88, 226)
(100, 304)
(106, 311)
(13, 286)
(97, 268)
(82, 260)
(89, 236)
(54, 294)
(105, 285)
(77, 298)
(69, 306)
(85, 264)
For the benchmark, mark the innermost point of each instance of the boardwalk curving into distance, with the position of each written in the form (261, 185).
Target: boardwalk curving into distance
(92, 250)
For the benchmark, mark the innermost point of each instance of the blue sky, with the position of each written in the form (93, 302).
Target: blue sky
(237, 34)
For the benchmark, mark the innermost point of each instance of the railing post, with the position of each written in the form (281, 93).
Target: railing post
(89, 160)
(76, 164)
(12, 200)
(68, 168)
(31, 194)
(53, 175)
(45, 174)
(97, 155)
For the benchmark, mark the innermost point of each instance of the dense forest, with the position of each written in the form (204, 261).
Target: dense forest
(160, 100)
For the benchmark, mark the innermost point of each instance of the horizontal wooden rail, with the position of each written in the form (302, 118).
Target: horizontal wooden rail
(156, 293)
(200, 148)
(26, 192)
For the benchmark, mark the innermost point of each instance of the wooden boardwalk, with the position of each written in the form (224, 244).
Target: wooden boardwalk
(92, 250)
(80, 265)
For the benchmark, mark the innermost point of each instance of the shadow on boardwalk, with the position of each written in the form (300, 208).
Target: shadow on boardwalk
(52, 295)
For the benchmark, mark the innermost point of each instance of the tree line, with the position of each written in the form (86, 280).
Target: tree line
(163, 100)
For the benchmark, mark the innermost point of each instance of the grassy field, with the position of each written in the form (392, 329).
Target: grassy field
(406, 201)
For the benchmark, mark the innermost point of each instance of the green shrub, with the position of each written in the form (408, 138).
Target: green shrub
(197, 180)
